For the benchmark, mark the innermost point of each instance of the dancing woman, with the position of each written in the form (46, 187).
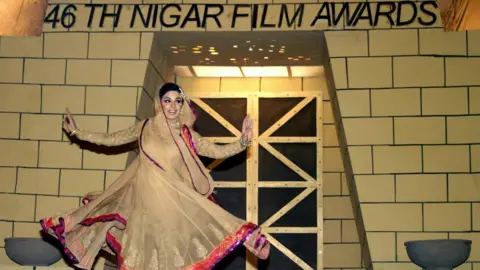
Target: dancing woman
(159, 214)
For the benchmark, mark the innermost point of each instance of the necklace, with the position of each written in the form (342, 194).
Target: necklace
(175, 125)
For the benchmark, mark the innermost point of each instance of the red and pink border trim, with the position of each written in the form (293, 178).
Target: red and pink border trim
(226, 247)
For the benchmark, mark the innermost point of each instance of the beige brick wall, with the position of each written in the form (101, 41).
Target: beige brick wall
(412, 132)
(410, 120)
(41, 171)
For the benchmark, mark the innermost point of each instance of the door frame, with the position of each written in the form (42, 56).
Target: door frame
(252, 183)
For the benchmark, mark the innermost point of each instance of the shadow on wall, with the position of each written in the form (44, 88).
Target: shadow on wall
(347, 163)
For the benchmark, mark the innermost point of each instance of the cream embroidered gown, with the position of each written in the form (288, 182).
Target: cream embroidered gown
(157, 215)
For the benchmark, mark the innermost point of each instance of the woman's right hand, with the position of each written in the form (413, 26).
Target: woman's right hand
(69, 124)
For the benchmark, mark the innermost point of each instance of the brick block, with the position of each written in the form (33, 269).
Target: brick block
(368, 131)
(361, 159)
(427, 130)
(375, 188)
(56, 98)
(463, 187)
(395, 102)
(20, 153)
(445, 101)
(20, 98)
(10, 125)
(462, 71)
(114, 45)
(421, 188)
(66, 45)
(393, 42)
(397, 159)
(447, 217)
(38, 181)
(347, 43)
(337, 208)
(439, 42)
(418, 71)
(111, 100)
(446, 158)
(21, 46)
(23, 210)
(88, 72)
(41, 127)
(392, 217)
(60, 155)
(12, 70)
(354, 103)
(375, 72)
(45, 71)
(80, 182)
(463, 129)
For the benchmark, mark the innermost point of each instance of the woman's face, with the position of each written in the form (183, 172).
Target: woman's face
(172, 104)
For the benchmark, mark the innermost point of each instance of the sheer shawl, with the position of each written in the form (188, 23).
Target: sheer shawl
(156, 215)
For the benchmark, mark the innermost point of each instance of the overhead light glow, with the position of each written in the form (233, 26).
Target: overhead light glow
(182, 71)
(217, 71)
(265, 71)
(248, 71)
(306, 71)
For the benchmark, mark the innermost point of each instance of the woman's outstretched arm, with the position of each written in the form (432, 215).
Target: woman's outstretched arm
(120, 137)
(212, 150)
(207, 148)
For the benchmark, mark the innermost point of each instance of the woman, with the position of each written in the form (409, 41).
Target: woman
(157, 214)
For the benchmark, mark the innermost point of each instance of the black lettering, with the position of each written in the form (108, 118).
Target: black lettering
(196, 16)
(360, 14)
(345, 8)
(320, 16)
(214, 16)
(52, 17)
(175, 17)
(145, 20)
(155, 14)
(254, 18)
(358, 10)
(115, 14)
(237, 15)
(284, 13)
(380, 12)
(263, 22)
(69, 16)
(428, 12)
(92, 12)
(399, 13)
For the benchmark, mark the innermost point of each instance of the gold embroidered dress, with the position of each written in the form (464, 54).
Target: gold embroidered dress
(157, 215)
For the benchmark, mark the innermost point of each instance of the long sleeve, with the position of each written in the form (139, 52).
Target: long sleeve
(120, 137)
(209, 149)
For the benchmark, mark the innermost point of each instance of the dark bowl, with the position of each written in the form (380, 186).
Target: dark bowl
(442, 253)
(32, 251)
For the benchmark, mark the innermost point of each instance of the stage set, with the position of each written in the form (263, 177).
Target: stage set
(277, 182)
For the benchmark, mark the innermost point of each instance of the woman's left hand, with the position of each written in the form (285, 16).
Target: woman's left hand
(247, 129)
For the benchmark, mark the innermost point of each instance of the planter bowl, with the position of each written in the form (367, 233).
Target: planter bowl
(444, 254)
(32, 251)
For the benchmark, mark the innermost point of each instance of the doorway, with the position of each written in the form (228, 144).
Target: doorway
(277, 183)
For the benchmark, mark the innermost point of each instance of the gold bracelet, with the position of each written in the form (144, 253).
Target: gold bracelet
(73, 132)
(245, 144)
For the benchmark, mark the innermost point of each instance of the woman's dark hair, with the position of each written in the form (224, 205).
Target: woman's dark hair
(169, 87)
